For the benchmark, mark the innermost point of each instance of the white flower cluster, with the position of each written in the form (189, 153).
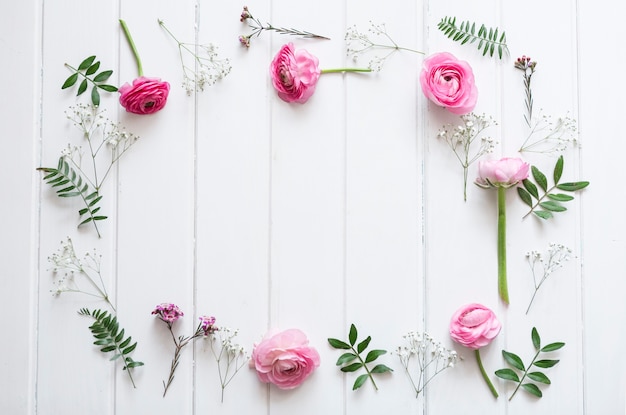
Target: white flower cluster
(207, 68)
(548, 136)
(229, 355)
(554, 258)
(376, 37)
(99, 130)
(424, 356)
(66, 266)
(462, 138)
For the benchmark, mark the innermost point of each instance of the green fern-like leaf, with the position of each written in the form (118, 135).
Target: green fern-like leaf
(69, 183)
(488, 41)
(110, 338)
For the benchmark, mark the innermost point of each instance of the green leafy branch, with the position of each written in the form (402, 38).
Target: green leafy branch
(545, 205)
(88, 70)
(348, 359)
(516, 362)
(488, 39)
(71, 184)
(108, 335)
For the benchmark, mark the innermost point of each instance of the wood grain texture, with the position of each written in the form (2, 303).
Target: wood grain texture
(346, 209)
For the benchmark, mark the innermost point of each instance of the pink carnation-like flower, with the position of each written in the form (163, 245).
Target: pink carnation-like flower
(474, 326)
(449, 82)
(294, 74)
(168, 312)
(207, 325)
(505, 172)
(284, 359)
(145, 96)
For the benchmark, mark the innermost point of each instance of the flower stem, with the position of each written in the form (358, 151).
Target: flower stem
(482, 371)
(502, 281)
(132, 46)
(338, 70)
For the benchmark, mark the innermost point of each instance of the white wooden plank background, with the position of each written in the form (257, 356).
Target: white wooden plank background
(346, 209)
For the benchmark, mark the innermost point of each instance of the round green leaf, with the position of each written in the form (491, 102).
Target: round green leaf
(359, 382)
(513, 359)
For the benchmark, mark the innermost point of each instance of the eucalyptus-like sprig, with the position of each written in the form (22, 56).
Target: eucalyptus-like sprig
(258, 27)
(376, 38)
(110, 338)
(88, 70)
(529, 372)
(550, 201)
(489, 40)
(71, 179)
(348, 359)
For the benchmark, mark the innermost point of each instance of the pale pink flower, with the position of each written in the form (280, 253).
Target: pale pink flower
(294, 74)
(505, 172)
(474, 326)
(284, 359)
(145, 95)
(207, 325)
(449, 82)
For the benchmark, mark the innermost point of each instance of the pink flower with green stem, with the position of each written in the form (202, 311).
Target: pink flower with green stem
(501, 175)
(146, 95)
(475, 326)
(295, 73)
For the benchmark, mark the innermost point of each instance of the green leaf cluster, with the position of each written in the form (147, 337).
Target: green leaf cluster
(70, 183)
(550, 201)
(110, 338)
(88, 71)
(353, 361)
(489, 40)
(536, 376)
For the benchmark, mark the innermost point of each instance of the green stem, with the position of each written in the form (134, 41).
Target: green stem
(502, 282)
(345, 70)
(132, 46)
(484, 373)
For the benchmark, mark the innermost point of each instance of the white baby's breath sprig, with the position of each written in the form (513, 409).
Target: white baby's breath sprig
(71, 273)
(542, 265)
(376, 38)
(463, 140)
(200, 64)
(551, 136)
(423, 358)
(229, 355)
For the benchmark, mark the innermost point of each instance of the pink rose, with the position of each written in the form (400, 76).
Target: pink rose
(284, 359)
(474, 326)
(294, 74)
(449, 82)
(505, 172)
(145, 96)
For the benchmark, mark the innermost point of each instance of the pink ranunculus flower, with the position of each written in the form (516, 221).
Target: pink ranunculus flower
(168, 312)
(449, 82)
(294, 74)
(145, 95)
(505, 172)
(284, 359)
(474, 326)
